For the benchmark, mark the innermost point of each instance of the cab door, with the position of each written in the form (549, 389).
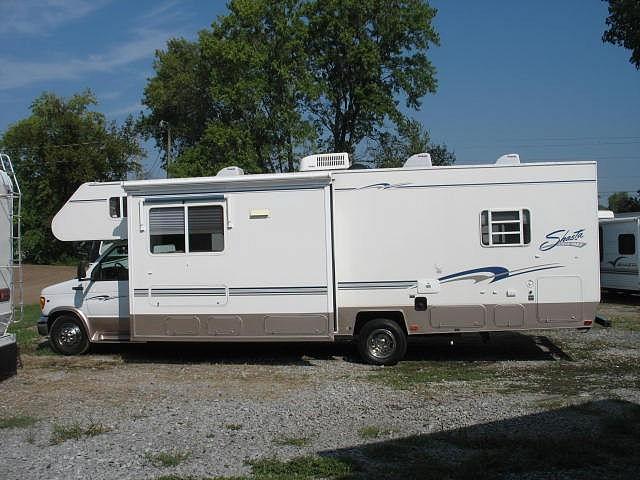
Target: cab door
(106, 298)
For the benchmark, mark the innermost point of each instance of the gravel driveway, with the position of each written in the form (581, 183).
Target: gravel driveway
(561, 404)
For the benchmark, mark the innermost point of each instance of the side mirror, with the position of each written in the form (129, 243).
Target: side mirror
(82, 269)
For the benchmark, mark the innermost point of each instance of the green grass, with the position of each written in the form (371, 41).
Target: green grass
(76, 431)
(629, 323)
(18, 421)
(166, 459)
(373, 431)
(292, 441)
(407, 375)
(300, 468)
(26, 332)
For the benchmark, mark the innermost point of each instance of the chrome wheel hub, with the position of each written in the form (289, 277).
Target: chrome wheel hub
(70, 334)
(381, 343)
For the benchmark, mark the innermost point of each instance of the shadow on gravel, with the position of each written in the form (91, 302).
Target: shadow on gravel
(470, 347)
(619, 298)
(596, 440)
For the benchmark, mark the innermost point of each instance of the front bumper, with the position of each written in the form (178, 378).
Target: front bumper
(43, 325)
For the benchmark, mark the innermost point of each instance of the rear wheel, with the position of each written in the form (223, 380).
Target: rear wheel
(382, 342)
(68, 336)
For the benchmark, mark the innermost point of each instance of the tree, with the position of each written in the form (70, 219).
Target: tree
(393, 148)
(364, 57)
(624, 27)
(273, 79)
(58, 147)
(621, 202)
(234, 96)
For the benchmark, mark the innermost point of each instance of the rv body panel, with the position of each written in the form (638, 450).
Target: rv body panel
(426, 225)
(620, 253)
(6, 260)
(266, 275)
(94, 212)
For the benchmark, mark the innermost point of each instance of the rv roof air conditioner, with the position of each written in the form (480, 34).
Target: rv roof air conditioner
(232, 171)
(418, 160)
(509, 159)
(325, 161)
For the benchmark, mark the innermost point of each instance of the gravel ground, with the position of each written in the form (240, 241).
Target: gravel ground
(219, 406)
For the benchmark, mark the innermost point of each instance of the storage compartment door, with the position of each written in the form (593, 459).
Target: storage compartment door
(559, 299)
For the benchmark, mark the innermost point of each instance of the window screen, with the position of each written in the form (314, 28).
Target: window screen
(627, 244)
(114, 207)
(166, 230)
(206, 227)
(505, 227)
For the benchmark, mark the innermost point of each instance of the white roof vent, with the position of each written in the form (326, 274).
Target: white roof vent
(325, 161)
(418, 160)
(232, 171)
(509, 159)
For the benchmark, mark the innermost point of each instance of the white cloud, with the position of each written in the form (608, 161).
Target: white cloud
(34, 17)
(126, 110)
(17, 73)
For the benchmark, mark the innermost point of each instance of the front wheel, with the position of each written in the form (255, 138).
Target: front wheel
(382, 342)
(68, 336)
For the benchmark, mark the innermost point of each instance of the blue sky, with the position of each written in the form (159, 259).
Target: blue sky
(526, 77)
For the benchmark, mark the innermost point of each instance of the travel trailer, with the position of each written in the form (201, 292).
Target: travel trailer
(331, 254)
(10, 265)
(619, 239)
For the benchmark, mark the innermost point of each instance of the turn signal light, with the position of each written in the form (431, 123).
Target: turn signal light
(587, 323)
(41, 303)
(5, 294)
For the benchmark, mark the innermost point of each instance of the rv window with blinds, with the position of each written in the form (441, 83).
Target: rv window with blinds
(205, 225)
(501, 228)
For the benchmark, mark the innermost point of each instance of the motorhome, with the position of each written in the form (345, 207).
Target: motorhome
(330, 253)
(10, 265)
(619, 238)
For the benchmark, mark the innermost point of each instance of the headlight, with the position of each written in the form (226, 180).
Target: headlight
(41, 303)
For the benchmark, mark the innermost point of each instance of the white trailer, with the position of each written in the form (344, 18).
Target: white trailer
(10, 265)
(619, 239)
(331, 254)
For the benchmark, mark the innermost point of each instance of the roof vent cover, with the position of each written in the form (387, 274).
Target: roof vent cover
(325, 161)
(232, 171)
(509, 159)
(418, 160)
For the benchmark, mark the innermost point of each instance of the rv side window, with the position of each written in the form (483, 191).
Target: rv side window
(206, 232)
(166, 230)
(627, 244)
(114, 207)
(600, 243)
(505, 227)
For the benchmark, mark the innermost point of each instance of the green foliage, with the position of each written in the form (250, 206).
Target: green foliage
(166, 459)
(624, 27)
(393, 148)
(19, 421)
(76, 431)
(27, 334)
(273, 80)
(62, 144)
(621, 202)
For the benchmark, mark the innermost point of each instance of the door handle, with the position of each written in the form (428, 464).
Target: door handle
(100, 297)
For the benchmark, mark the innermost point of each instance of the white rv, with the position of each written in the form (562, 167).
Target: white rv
(329, 254)
(619, 239)
(10, 264)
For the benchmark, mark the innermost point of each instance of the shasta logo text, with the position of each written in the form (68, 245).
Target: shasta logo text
(563, 238)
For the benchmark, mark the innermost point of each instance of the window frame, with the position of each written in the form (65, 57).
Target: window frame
(620, 235)
(122, 207)
(185, 205)
(520, 232)
(98, 266)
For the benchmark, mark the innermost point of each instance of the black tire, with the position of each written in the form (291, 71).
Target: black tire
(382, 342)
(68, 336)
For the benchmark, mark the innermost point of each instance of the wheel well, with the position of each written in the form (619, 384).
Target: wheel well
(55, 315)
(364, 317)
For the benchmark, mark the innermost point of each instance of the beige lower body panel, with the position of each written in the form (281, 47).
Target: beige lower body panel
(483, 318)
(309, 327)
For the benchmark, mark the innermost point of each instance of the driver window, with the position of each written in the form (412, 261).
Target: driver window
(114, 266)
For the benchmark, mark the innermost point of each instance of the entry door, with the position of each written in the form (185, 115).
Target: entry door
(107, 295)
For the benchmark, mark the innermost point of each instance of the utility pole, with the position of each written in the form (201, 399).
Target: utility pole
(165, 124)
